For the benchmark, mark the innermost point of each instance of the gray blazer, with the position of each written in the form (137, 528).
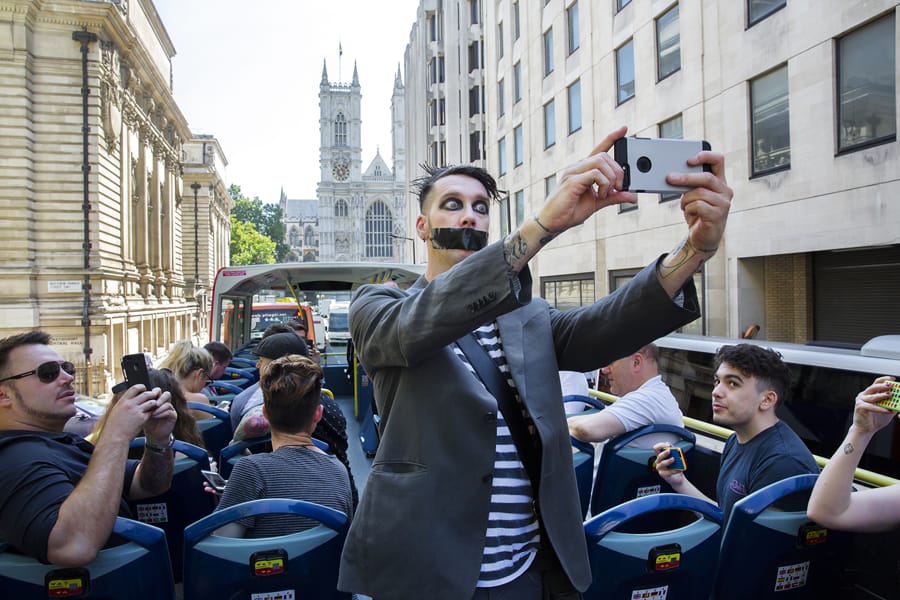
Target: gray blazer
(419, 529)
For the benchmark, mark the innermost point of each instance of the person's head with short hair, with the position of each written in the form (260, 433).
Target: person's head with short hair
(292, 391)
(221, 358)
(276, 346)
(750, 382)
(36, 384)
(631, 372)
(454, 207)
(191, 365)
(275, 328)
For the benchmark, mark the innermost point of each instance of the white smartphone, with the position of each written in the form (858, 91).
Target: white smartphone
(217, 481)
(647, 161)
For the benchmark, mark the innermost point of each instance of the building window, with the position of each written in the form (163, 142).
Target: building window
(668, 43)
(620, 4)
(516, 27)
(475, 56)
(442, 111)
(549, 124)
(672, 129)
(341, 209)
(518, 150)
(573, 95)
(437, 70)
(574, 36)
(501, 97)
(625, 71)
(501, 156)
(504, 216)
(520, 207)
(475, 101)
(548, 52)
(499, 41)
(550, 185)
(569, 291)
(866, 86)
(379, 225)
(769, 122)
(475, 6)
(340, 130)
(517, 82)
(757, 10)
(475, 152)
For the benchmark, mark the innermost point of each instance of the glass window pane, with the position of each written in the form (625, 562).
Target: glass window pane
(625, 71)
(501, 96)
(574, 40)
(518, 150)
(759, 9)
(517, 82)
(548, 52)
(501, 152)
(516, 19)
(867, 75)
(549, 124)
(770, 122)
(668, 43)
(504, 213)
(620, 4)
(549, 185)
(574, 96)
(520, 207)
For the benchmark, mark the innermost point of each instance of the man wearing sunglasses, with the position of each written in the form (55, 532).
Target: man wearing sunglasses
(60, 495)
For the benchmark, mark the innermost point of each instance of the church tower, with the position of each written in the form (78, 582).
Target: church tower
(361, 211)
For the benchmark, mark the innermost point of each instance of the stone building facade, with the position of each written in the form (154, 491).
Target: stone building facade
(801, 98)
(94, 208)
(361, 211)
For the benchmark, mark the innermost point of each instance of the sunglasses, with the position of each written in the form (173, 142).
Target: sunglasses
(47, 372)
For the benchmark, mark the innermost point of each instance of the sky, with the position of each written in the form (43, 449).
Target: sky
(248, 73)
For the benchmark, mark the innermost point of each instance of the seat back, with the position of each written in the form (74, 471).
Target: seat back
(773, 553)
(673, 562)
(138, 569)
(238, 375)
(583, 454)
(184, 502)
(232, 453)
(299, 565)
(626, 472)
(216, 430)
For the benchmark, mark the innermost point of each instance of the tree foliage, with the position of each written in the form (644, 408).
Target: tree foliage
(266, 218)
(248, 246)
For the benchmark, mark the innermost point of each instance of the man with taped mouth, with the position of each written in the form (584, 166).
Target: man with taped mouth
(472, 492)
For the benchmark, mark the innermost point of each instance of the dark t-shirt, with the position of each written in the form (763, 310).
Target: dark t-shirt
(38, 471)
(772, 455)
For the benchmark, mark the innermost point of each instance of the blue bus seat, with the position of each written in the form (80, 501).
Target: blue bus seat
(223, 386)
(232, 453)
(243, 363)
(583, 457)
(670, 562)
(135, 570)
(234, 373)
(299, 565)
(216, 430)
(772, 553)
(626, 472)
(184, 502)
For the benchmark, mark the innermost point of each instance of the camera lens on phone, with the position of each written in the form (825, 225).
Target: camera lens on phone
(644, 164)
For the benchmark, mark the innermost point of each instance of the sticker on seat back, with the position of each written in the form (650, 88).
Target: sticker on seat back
(153, 513)
(282, 595)
(657, 593)
(790, 577)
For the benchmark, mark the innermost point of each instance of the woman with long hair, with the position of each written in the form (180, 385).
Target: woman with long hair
(192, 366)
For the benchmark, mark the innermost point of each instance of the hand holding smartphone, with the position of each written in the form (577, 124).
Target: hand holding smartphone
(134, 366)
(647, 161)
(678, 463)
(215, 480)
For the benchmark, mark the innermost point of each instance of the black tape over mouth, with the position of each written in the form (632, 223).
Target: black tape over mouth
(458, 238)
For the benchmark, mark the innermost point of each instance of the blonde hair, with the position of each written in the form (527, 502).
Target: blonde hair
(185, 358)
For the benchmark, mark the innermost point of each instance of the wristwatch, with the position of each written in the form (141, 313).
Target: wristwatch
(159, 449)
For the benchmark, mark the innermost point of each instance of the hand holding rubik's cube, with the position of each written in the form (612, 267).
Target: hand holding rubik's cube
(892, 403)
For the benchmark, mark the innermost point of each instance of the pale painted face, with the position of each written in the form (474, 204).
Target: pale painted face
(736, 398)
(454, 201)
(35, 404)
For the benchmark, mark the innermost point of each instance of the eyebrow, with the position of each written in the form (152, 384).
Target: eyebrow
(731, 377)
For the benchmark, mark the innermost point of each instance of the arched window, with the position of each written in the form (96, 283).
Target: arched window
(341, 209)
(378, 229)
(340, 130)
(377, 170)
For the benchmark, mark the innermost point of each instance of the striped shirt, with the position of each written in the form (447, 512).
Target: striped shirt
(289, 472)
(512, 536)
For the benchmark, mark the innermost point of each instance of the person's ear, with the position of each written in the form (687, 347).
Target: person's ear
(317, 416)
(769, 400)
(422, 228)
(5, 398)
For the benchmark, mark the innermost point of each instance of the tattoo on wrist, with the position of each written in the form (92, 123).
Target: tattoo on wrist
(514, 249)
(848, 448)
(679, 257)
(542, 226)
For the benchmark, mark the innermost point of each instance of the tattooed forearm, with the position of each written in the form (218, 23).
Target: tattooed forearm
(515, 249)
(681, 256)
(156, 471)
(848, 448)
